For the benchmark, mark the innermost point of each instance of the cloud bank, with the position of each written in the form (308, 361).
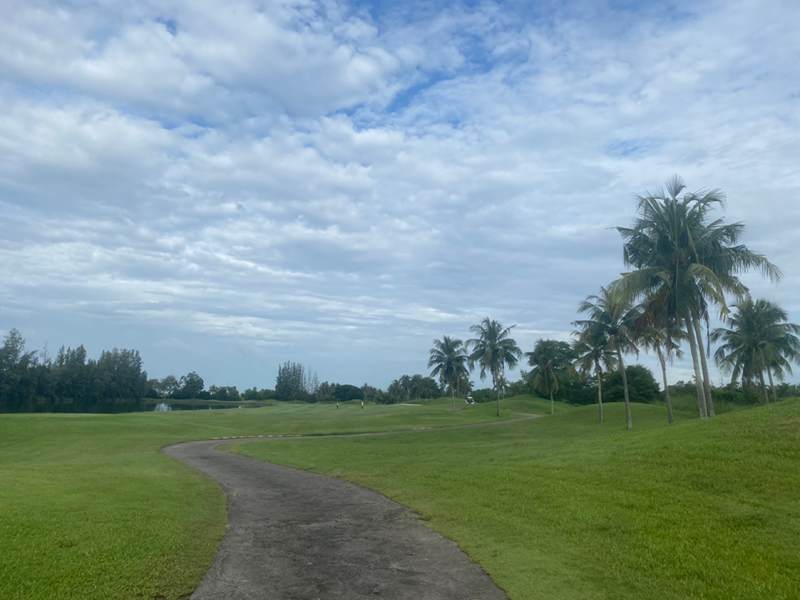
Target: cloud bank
(227, 188)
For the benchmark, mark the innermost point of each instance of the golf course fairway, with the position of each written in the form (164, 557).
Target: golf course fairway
(557, 507)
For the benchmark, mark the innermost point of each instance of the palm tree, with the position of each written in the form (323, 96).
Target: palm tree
(405, 385)
(493, 350)
(612, 316)
(684, 263)
(759, 338)
(654, 337)
(545, 354)
(395, 391)
(592, 352)
(449, 359)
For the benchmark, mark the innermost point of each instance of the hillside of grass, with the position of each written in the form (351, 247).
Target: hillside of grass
(566, 508)
(90, 509)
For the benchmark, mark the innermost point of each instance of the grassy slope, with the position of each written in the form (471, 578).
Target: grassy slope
(89, 509)
(562, 507)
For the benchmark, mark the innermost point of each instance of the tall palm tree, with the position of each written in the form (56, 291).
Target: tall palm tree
(684, 263)
(654, 337)
(611, 315)
(449, 359)
(542, 359)
(758, 338)
(493, 349)
(592, 352)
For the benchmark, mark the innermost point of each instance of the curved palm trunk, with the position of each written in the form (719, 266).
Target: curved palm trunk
(625, 390)
(772, 386)
(704, 365)
(666, 387)
(599, 370)
(763, 387)
(698, 377)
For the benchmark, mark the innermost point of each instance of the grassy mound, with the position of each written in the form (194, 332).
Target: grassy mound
(564, 507)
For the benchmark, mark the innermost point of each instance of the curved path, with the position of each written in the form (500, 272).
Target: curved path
(292, 535)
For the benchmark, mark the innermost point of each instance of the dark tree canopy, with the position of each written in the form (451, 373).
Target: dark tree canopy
(642, 385)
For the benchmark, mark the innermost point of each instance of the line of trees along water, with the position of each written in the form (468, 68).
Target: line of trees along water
(69, 382)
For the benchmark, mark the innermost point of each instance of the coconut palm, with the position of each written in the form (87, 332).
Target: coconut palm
(493, 349)
(543, 360)
(758, 338)
(654, 337)
(449, 359)
(592, 352)
(684, 263)
(611, 315)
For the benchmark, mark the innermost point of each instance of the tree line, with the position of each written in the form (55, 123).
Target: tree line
(33, 381)
(684, 268)
(296, 383)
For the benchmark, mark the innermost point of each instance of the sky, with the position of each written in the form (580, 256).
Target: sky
(228, 186)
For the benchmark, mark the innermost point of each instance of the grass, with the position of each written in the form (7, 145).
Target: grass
(89, 508)
(565, 508)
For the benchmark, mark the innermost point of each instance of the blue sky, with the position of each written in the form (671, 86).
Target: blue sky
(229, 186)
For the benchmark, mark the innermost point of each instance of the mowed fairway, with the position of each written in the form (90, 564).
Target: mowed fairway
(89, 508)
(564, 508)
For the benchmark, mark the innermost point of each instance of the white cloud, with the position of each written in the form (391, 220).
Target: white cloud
(189, 172)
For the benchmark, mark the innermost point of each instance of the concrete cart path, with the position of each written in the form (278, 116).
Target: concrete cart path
(295, 535)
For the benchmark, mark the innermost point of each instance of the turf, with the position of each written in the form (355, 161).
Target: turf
(89, 508)
(565, 508)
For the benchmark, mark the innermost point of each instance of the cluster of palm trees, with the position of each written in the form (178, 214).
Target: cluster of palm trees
(407, 387)
(492, 350)
(683, 265)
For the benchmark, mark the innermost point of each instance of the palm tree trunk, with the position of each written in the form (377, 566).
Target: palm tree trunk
(551, 401)
(497, 387)
(704, 364)
(666, 387)
(763, 387)
(598, 369)
(625, 390)
(701, 396)
(772, 386)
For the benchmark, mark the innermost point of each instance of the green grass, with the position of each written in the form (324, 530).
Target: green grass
(689, 404)
(89, 508)
(565, 508)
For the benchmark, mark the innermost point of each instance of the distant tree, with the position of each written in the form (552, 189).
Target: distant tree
(493, 349)
(758, 339)
(310, 382)
(290, 385)
(611, 315)
(642, 385)
(168, 386)
(548, 359)
(254, 394)
(325, 392)
(224, 393)
(191, 385)
(346, 392)
(371, 394)
(395, 392)
(655, 336)
(448, 357)
(593, 353)
(151, 389)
